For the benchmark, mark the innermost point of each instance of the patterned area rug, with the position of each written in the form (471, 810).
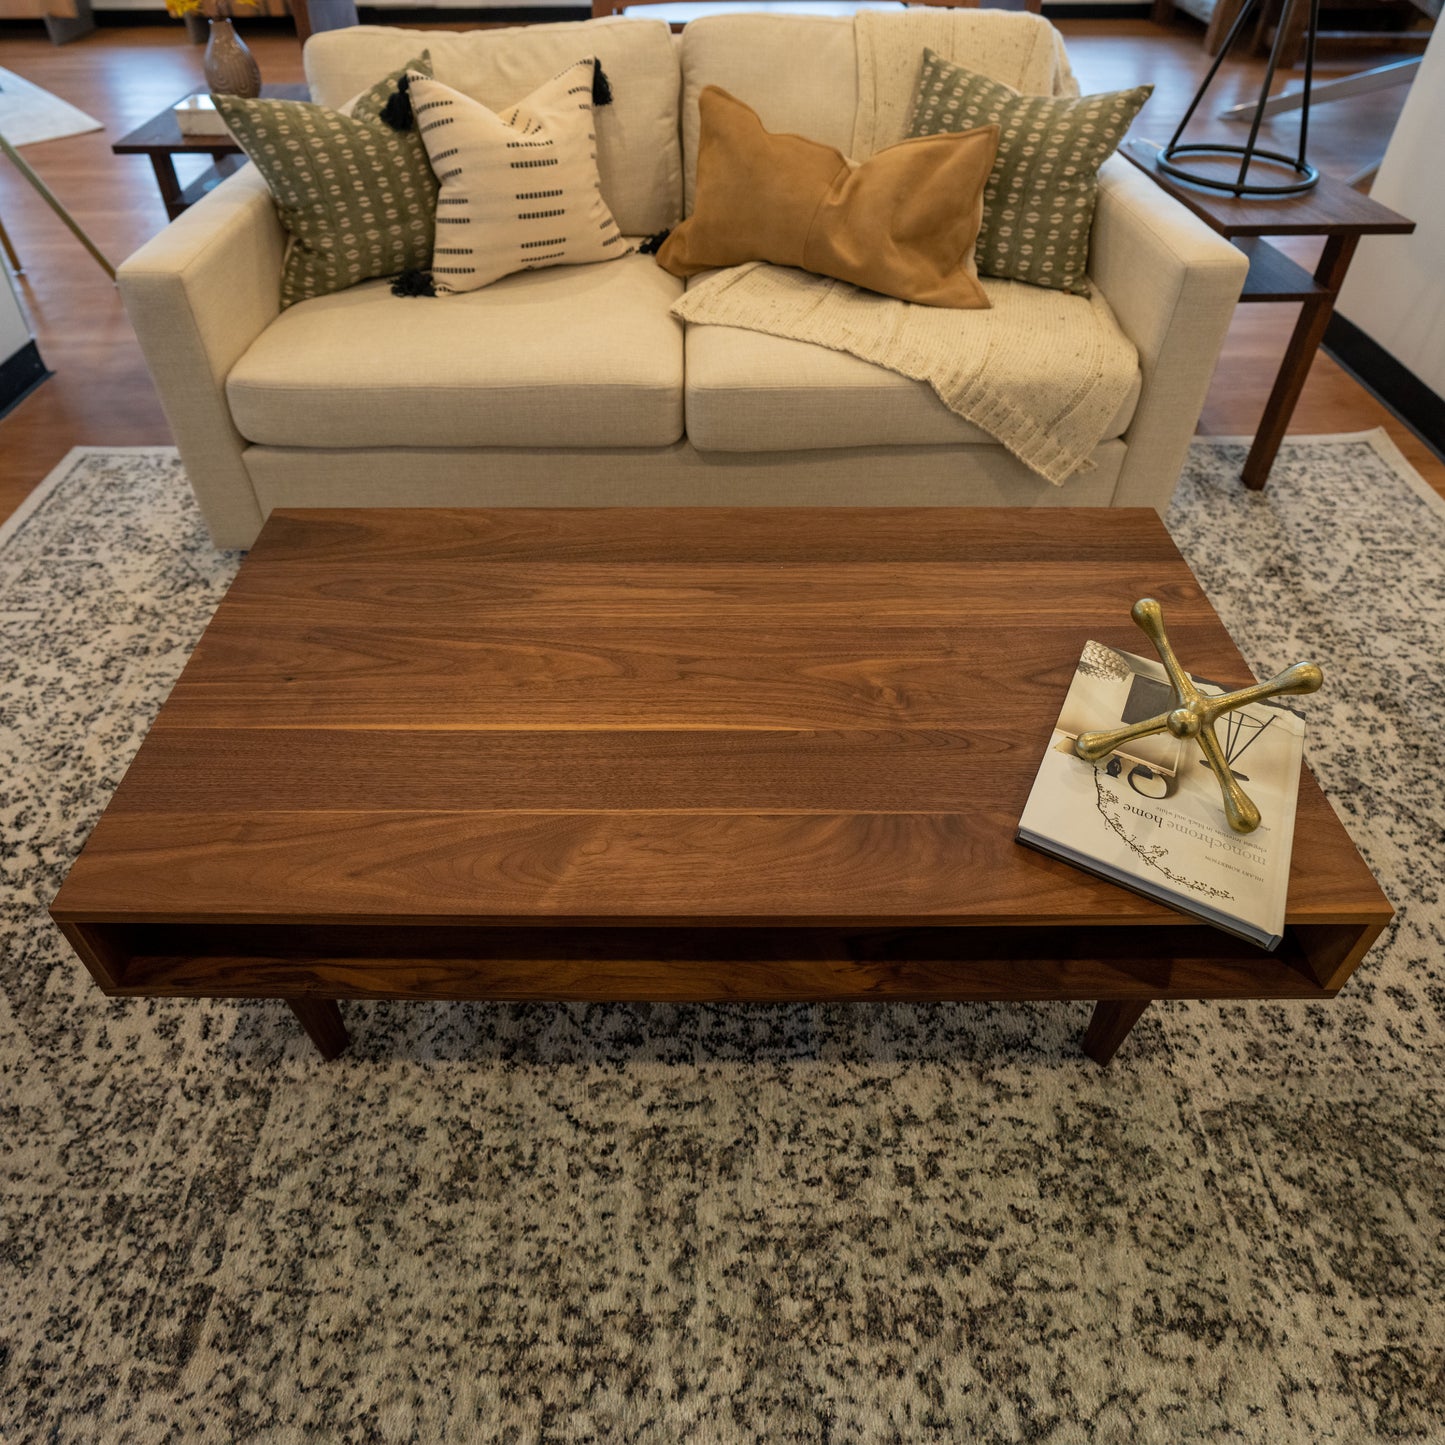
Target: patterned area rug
(29, 115)
(707, 1224)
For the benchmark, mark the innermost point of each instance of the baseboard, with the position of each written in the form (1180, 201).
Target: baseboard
(131, 19)
(1421, 409)
(20, 375)
(1099, 10)
(492, 15)
(524, 15)
(531, 15)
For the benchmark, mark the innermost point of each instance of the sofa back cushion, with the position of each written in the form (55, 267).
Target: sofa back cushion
(519, 190)
(1039, 207)
(638, 154)
(357, 197)
(800, 72)
(902, 223)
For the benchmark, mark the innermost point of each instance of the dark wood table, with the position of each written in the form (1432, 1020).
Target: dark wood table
(1332, 209)
(160, 138)
(680, 754)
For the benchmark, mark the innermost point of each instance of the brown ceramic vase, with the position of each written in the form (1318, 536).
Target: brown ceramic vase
(230, 68)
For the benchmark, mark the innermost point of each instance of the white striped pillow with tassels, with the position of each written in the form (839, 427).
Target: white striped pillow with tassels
(518, 190)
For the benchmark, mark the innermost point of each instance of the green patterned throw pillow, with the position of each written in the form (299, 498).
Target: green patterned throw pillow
(357, 196)
(1038, 206)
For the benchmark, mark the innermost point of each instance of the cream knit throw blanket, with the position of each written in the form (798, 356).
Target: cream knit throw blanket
(1043, 372)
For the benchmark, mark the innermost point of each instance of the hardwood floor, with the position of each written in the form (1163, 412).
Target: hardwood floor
(101, 394)
(1345, 136)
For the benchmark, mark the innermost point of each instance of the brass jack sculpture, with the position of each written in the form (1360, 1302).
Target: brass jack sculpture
(1193, 715)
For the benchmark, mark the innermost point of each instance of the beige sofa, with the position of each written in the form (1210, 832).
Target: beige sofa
(573, 385)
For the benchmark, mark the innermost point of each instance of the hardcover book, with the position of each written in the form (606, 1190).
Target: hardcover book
(197, 115)
(1149, 816)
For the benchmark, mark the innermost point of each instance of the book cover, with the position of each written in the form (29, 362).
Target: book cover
(1149, 816)
(197, 115)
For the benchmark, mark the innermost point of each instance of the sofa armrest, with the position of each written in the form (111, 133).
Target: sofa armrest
(1172, 284)
(198, 295)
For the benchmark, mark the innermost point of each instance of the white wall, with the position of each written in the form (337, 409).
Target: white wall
(14, 329)
(1395, 291)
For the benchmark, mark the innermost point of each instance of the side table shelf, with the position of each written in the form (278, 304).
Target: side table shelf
(1333, 210)
(1273, 276)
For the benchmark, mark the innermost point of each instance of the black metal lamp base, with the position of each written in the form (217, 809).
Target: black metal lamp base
(1307, 175)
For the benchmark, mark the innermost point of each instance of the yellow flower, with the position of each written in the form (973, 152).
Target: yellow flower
(180, 8)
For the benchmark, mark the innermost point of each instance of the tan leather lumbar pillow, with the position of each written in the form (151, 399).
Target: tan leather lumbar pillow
(904, 222)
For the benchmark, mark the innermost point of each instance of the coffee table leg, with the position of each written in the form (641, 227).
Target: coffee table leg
(321, 1019)
(1110, 1025)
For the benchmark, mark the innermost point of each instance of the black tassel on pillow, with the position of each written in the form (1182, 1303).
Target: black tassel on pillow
(397, 111)
(601, 86)
(653, 244)
(413, 283)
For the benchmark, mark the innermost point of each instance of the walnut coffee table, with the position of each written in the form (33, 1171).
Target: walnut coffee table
(683, 754)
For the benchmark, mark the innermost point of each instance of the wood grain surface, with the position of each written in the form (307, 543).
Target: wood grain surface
(1331, 208)
(803, 723)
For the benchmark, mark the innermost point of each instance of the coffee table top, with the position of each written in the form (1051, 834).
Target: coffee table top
(791, 716)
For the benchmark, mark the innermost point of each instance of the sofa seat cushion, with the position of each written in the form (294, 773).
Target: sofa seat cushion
(570, 356)
(748, 392)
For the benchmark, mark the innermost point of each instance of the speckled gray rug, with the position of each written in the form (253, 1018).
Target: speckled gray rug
(707, 1224)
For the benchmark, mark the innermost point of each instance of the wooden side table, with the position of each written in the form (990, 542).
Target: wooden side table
(1333, 210)
(160, 138)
